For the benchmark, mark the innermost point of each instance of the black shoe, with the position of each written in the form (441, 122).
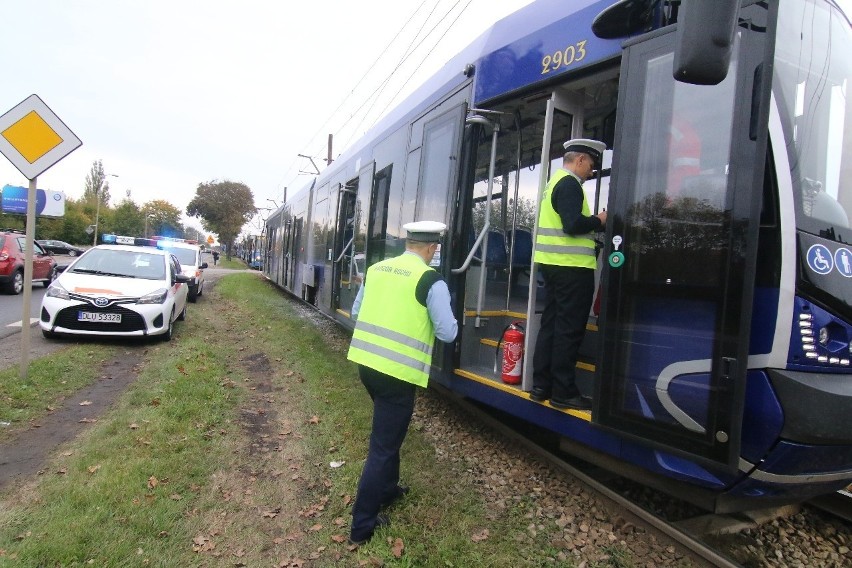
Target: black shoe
(576, 402)
(401, 491)
(382, 520)
(539, 394)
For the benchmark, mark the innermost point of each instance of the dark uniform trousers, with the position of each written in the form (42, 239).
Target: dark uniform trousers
(393, 405)
(570, 291)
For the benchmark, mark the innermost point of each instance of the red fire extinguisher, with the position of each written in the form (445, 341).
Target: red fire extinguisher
(513, 353)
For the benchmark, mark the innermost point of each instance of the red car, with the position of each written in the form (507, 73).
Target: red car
(12, 246)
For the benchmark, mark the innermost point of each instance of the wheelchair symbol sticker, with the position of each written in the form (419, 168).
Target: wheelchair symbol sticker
(843, 261)
(820, 259)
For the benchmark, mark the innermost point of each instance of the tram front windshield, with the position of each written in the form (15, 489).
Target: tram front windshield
(812, 77)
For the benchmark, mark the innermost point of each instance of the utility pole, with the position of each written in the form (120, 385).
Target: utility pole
(98, 205)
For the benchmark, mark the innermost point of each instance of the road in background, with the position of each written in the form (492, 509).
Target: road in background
(11, 306)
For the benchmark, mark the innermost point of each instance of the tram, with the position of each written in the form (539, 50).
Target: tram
(718, 347)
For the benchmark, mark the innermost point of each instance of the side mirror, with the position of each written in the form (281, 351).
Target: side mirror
(203, 265)
(704, 41)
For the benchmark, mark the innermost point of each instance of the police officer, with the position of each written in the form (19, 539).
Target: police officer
(565, 252)
(401, 308)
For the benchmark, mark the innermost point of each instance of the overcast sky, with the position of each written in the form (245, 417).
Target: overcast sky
(169, 94)
(172, 93)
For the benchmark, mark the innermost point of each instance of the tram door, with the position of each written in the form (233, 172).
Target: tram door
(681, 248)
(563, 121)
(437, 186)
(350, 240)
(287, 227)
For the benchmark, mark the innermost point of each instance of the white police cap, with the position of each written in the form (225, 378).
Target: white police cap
(425, 231)
(594, 148)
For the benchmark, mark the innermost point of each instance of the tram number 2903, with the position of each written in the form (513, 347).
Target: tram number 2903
(570, 55)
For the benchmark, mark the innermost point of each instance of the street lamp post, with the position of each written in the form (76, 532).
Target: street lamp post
(98, 209)
(148, 216)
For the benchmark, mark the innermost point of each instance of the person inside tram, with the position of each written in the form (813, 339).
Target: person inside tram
(565, 253)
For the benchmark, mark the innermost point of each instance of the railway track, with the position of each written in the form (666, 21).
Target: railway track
(685, 538)
(838, 504)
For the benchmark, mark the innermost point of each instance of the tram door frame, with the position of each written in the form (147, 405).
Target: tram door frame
(435, 138)
(287, 227)
(704, 398)
(570, 104)
(352, 195)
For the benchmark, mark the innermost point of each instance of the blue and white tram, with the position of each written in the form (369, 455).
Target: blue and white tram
(718, 348)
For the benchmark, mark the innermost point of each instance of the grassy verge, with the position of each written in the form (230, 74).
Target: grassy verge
(48, 381)
(234, 264)
(240, 444)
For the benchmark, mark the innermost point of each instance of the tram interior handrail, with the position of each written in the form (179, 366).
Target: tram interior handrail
(343, 252)
(472, 252)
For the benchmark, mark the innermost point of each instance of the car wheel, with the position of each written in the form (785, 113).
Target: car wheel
(48, 334)
(201, 289)
(192, 295)
(72, 253)
(170, 332)
(16, 284)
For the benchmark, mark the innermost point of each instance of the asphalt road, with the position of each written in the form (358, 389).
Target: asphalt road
(11, 309)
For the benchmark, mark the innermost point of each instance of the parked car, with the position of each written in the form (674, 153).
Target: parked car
(60, 247)
(12, 260)
(191, 264)
(119, 290)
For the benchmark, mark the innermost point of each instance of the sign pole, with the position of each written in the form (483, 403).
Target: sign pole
(33, 138)
(28, 279)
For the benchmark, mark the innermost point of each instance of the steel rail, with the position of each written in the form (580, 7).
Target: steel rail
(685, 539)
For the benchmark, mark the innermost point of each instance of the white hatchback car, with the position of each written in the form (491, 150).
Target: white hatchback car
(117, 290)
(191, 264)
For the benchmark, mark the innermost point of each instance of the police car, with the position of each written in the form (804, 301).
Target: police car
(117, 290)
(189, 255)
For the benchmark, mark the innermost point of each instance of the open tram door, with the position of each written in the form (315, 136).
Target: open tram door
(681, 246)
(350, 240)
(563, 120)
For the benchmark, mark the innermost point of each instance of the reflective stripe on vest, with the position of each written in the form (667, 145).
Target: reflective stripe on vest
(552, 245)
(394, 334)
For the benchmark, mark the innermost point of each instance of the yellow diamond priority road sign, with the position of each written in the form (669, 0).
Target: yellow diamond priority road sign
(33, 138)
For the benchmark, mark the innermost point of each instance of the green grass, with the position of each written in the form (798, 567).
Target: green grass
(233, 264)
(185, 461)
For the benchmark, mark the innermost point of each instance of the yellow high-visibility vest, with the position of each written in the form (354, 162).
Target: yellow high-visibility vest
(552, 245)
(394, 334)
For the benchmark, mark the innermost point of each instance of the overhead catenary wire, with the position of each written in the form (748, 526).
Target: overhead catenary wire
(399, 66)
(422, 61)
(409, 51)
(345, 99)
(374, 97)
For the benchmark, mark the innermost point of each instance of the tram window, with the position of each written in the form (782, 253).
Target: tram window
(377, 230)
(812, 74)
(681, 181)
(436, 170)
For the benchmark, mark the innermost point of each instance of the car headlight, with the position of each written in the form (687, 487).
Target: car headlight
(157, 297)
(57, 291)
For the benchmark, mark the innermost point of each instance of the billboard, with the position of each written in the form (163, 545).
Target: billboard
(48, 203)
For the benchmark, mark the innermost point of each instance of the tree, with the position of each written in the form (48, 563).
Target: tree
(96, 185)
(224, 207)
(127, 218)
(165, 218)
